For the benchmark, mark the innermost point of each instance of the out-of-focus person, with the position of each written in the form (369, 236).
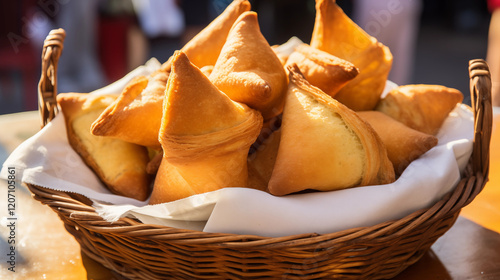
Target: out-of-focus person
(493, 53)
(395, 24)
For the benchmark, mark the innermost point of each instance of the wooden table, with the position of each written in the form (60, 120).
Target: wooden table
(469, 250)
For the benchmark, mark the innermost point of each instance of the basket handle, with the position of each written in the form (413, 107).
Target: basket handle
(47, 87)
(480, 90)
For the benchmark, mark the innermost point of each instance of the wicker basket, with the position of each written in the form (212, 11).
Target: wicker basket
(142, 251)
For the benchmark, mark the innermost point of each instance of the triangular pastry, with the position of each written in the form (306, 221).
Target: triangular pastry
(135, 116)
(421, 107)
(403, 144)
(261, 162)
(204, 48)
(207, 70)
(205, 136)
(325, 145)
(120, 165)
(267, 130)
(248, 70)
(284, 50)
(321, 69)
(335, 33)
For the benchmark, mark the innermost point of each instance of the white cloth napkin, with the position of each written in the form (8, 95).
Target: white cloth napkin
(47, 160)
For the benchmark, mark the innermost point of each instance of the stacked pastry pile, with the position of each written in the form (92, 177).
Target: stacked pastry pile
(229, 110)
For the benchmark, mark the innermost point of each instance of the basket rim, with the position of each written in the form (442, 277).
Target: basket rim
(69, 206)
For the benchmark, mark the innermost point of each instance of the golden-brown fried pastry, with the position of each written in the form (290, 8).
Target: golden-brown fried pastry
(403, 144)
(120, 165)
(268, 128)
(283, 51)
(248, 70)
(325, 145)
(255, 181)
(135, 116)
(204, 48)
(261, 162)
(321, 69)
(421, 107)
(207, 70)
(334, 32)
(154, 162)
(205, 136)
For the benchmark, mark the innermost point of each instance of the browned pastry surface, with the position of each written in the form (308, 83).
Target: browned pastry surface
(120, 165)
(324, 145)
(421, 107)
(205, 136)
(335, 33)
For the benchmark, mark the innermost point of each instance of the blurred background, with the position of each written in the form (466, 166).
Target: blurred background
(431, 40)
